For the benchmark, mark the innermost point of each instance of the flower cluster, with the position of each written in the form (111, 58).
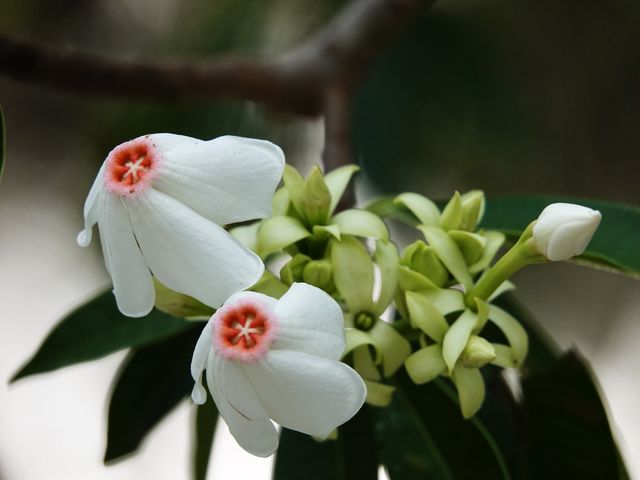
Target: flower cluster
(344, 296)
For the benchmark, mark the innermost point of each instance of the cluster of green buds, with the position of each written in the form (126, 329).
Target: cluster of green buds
(424, 309)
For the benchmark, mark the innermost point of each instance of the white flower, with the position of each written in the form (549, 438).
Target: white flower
(159, 201)
(563, 230)
(277, 359)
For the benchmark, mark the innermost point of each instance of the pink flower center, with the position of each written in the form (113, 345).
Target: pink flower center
(131, 166)
(244, 331)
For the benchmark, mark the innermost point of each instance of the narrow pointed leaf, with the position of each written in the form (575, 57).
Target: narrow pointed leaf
(425, 316)
(421, 207)
(457, 336)
(96, 329)
(386, 257)
(425, 364)
(514, 332)
(151, 382)
(470, 386)
(206, 418)
(449, 253)
(451, 217)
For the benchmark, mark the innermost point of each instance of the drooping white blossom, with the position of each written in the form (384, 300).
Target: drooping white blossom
(563, 230)
(159, 202)
(269, 359)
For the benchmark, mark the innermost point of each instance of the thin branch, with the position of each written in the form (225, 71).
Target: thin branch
(297, 82)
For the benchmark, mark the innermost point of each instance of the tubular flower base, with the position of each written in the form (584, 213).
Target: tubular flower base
(159, 201)
(277, 359)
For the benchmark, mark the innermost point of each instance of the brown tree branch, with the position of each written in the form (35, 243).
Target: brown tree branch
(297, 82)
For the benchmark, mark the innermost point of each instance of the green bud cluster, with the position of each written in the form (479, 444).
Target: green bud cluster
(440, 287)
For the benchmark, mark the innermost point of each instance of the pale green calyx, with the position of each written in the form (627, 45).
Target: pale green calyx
(477, 353)
(315, 199)
(319, 273)
(421, 258)
(473, 205)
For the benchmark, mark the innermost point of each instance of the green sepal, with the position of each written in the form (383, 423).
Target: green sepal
(449, 253)
(425, 364)
(472, 245)
(353, 273)
(330, 230)
(426, 317)
(276, 233)
(473, 206)
(451, 217)
(365, 365)
(315, 199)
(446, 300)
(360, 223)
(423, 259)
(379, 394)
(247, 235)
(293, 270)
(294, 183)
(337, 181)
(504, 356)
(422, 208)
(494, 240)
(270, 285)
(477, 353)
(514, 332)
(386, 257)
(179, 304)
(409, 280)
(470, 386)
(457, 337)
(393, 347)
(280, 202)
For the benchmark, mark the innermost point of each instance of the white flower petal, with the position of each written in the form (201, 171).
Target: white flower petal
(239, 405)
(227, 179)
(167, 142)
(187, 252)
(199, 363)
(91, 209)
(303, 392)
(310, 321)
(132, 283)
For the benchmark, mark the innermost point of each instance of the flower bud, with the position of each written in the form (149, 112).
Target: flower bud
(477, 353)
(473, 204)
(563, 230)
(315, 198)
(292, 270)
(421, 258)
(319, 273)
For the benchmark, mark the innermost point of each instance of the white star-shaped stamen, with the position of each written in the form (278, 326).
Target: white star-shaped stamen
(245, 331)
(134, 168)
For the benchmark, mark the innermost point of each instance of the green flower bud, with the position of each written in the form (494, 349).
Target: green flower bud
(292, 271)
(471, 245)
(319, 273)
(452, 213)
(315, 199)
(364, 321)
(473, 204)
(477, 353)
(421, 258)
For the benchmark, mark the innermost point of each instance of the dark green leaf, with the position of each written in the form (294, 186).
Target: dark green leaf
(613, 244)
(3, 142)
(567, 423)
(97, 329)
(423, 436)
(206, 420)
(152, 380)
(352, 456)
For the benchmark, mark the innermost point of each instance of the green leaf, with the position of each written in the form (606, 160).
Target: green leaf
(353, 455)
(96, 329)
(613, 244)
(422, 435)
(3, 142)
(206, 419)
(276, 233)
(568, 427)
(152, 381)
(449, 253)
(337, 181)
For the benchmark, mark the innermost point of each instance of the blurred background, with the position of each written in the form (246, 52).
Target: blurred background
(536, 96)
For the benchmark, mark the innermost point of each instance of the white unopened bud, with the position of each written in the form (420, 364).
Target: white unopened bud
(563, 230)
